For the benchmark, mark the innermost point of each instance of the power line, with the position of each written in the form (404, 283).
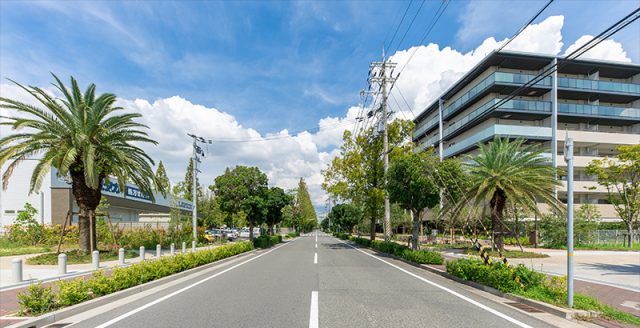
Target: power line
(525, 25)
(399, 24)
(409, 27)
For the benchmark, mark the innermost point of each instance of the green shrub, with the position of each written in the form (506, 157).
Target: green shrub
(508, 279)
(36, 300)
(423, 256)
(39, 299)
(292, 234)
(100, 284)
(341, 235)
(388, 247)
(360, 241)
(72, 291)
(265, 241)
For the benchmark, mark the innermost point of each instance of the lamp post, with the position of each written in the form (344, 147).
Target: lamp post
(568, 157)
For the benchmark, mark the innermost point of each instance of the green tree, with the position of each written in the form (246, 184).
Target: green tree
(83, 137)
(26, 219)
(357, 174)
(410, 183)
(162, 179)
(290, 216)
(510, 170)
(621, 177)
(344, 217)
(307, 212)
(184, 189)
(243, 189)
(276, 199)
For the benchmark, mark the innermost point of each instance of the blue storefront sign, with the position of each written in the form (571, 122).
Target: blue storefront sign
(136, 193)
(111, 187)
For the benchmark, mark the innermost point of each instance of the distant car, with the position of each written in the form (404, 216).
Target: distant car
(244, 233)
(208, 235)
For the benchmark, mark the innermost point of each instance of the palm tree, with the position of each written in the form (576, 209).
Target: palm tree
(82, 137)
(511, 171)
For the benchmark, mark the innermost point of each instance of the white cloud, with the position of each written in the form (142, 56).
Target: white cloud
(287, 157)
(606, 50)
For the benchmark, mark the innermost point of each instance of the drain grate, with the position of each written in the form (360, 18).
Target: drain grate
(524, 307)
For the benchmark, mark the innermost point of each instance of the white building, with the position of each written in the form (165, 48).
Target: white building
(54, 199)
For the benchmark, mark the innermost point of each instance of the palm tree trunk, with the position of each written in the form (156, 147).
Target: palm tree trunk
(497, 204)
(87, 200)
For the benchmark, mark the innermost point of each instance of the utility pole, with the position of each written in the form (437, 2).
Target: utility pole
(382, 77)
(197, 151)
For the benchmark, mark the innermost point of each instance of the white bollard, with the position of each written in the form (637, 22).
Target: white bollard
(62, 264)
(184, 247)
(121, 256)
(16, 268)
(95, 257)
(193, 245)
(158, 251)
(173, 249)
(141, 253)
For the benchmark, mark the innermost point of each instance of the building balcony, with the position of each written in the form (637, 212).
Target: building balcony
(496, 82)
(583, 187)
(508, 106)
(600, 137)
(514, 131)
(606, 113)
(618, 92)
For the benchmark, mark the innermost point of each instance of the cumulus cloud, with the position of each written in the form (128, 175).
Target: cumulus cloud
(606, 50)
(287, 156)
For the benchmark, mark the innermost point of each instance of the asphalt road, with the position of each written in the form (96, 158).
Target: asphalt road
(299, 284)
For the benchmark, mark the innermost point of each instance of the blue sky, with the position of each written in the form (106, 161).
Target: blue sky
(268, 66)
(273, 65)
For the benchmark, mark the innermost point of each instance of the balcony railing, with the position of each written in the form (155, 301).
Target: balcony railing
(566, 82)
(522, 105)
(496, 77)
(593, 110)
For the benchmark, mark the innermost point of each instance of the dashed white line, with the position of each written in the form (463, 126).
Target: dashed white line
(315, 258)
(313, 313)
(148, 305)
(316, 245)
(476, 303)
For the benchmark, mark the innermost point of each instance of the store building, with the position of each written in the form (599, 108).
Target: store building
(596, 103)
(54, 200)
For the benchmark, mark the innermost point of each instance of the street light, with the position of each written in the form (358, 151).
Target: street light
(568, 157)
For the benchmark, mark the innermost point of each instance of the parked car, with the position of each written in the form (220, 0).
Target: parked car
(230, 234)
(244, 233)
(208, 235)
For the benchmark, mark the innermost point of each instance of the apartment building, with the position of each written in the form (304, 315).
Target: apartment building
(597, 103)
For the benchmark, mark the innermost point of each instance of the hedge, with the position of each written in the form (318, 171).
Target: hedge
(38, 299)
(265, 241)
(419, 256)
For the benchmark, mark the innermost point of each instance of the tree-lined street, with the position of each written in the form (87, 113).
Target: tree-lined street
(355, 288)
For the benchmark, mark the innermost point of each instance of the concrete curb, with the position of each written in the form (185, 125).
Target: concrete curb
(70, 311)
(548, 308)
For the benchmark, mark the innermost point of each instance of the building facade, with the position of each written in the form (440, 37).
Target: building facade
(54, 201)
(596, 103)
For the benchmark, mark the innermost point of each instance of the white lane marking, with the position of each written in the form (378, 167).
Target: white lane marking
(313, 313)
(478, 304)
(315, 258)
(316, 245)
(148, 305)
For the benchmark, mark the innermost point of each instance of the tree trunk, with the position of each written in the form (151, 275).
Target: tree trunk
(497, 212)
(87, 200)
(630, 233)
(251, 231)
(372, 232)
(415, 238)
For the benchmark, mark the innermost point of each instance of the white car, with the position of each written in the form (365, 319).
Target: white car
(244, 233)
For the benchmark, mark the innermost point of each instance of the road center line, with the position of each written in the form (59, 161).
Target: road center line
(148, 305)
(316, 245)
(313, 313)
(315, 258)
(476, 303)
